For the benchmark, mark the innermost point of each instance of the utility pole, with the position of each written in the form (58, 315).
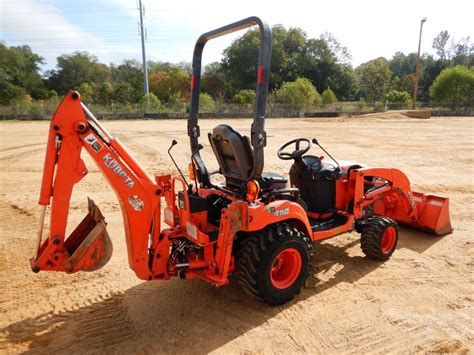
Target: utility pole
(141, 9)
(417, 70)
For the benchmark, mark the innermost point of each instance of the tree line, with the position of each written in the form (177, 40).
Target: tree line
(305, 72)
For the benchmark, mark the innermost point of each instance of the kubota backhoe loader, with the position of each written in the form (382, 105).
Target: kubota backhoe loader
(252, 224)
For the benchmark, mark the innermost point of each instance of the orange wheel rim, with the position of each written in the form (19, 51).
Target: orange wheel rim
(389, 238)
(286, 268)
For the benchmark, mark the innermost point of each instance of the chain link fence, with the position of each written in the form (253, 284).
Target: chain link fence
(43, 110)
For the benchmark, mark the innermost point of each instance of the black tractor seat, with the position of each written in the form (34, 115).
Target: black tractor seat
(234, 155)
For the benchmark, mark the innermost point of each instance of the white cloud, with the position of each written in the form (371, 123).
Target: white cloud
(46, 30)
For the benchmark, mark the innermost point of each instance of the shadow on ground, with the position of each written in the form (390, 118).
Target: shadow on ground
(157, 317)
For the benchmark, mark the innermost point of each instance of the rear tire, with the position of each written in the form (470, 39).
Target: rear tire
(273, 264)
(379, 237)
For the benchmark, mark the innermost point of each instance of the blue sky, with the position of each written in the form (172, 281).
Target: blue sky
(108, 28)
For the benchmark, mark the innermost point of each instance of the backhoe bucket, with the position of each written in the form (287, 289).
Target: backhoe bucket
(89, 245)
(433, 213)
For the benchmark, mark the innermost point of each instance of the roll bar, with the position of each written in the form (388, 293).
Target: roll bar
(258, 135)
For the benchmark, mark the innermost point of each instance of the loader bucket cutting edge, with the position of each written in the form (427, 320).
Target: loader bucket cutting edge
(433, 213)
(89, 245)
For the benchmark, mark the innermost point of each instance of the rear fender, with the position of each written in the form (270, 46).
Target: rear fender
(261, 215)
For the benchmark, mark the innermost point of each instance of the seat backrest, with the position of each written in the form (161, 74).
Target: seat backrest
(233, 153)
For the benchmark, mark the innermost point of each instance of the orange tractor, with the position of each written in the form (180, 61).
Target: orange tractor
(253, 225)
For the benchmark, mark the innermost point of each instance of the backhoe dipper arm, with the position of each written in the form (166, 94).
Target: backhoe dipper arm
(139, 197)
(258, 136)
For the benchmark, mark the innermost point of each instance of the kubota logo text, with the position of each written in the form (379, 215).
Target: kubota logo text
(112, 164)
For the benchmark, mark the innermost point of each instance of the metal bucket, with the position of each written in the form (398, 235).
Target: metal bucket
(433, 213)
(89, 245)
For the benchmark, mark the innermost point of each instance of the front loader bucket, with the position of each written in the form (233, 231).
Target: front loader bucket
(89, 245)
(433, 213)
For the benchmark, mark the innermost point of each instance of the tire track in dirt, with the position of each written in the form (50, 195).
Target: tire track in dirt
(51, 301)
(18, 155)
(7, 149)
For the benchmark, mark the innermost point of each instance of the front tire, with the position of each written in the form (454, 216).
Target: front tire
(273, 264)
(379, 238)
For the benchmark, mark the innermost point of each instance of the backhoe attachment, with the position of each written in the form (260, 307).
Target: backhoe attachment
(89, 246)
(74, 129)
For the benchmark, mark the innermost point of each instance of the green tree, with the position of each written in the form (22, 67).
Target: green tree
(402, 84)
(74, 69)
(429, 70)
(440, 44)
(324, 61)
(213, 80)
(19, 74)
(130, 71)
(374, 79)
(86, 91)
(452, 52)
(328, 97)
(454, 86)
(463, 52)
(156, 67)
(105, 92)
(300, 94)
(322, 65)
(240, 58)
(124, 93)
(245, 97)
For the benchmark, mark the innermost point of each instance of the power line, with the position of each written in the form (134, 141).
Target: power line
(107, 39)
(98, 11)
(67, 12)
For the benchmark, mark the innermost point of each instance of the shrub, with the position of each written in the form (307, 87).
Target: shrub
(150, 102)
(176, 103)
(206, 102)
(398, 99)
(454, 86)
(328, 97)
(379, 106)
(245, 97)
(300, 94)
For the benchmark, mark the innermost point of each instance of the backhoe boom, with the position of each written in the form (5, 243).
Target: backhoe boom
(138, 196)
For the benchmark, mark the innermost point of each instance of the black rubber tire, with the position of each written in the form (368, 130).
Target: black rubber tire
(371, 237)
(255, 257)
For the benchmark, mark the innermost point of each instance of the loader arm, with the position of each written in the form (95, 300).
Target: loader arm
(72, 128)
(394, 198)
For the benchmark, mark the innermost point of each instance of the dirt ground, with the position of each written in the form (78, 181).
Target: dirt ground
(421, 300)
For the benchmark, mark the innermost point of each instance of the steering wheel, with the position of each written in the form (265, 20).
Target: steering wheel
(297, 152)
